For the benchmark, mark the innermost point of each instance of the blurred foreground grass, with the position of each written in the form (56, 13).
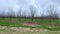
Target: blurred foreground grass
(53, 24)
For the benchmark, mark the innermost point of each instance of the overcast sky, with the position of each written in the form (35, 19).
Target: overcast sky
(41, 5)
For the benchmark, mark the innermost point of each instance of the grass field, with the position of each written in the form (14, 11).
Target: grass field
(26, 26)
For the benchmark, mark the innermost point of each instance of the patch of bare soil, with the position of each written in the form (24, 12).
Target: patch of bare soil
(29, 24)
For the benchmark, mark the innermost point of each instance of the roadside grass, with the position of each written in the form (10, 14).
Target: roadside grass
(53, 24)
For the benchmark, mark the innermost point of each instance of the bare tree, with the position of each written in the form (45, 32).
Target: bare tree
(19, 13)
(2, 14)
(11, 13)
(52, 12)
(25, 14)
(33, 11)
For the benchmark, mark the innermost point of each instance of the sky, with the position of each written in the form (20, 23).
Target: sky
(40, 5)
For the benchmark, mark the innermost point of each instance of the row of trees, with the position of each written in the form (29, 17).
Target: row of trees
(52, 11)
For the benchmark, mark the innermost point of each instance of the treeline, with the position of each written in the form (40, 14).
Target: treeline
(51, 10)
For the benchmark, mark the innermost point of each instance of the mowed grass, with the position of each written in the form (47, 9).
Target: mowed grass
(53, 24)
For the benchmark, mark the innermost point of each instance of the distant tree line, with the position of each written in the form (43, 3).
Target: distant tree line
(52, 13)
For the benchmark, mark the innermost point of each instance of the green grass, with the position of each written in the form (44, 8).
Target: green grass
(41, 23)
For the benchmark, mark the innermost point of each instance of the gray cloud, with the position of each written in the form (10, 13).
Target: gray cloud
(41, 5)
